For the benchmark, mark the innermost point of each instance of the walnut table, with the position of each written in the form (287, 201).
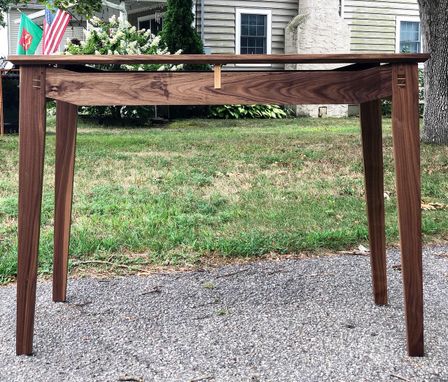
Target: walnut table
(364, 79)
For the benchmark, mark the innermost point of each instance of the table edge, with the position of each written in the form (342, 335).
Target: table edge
(221, 59)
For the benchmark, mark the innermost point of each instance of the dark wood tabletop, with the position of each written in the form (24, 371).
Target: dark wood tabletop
(222, 59)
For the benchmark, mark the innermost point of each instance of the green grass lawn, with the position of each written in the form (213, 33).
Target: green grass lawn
(224, 188)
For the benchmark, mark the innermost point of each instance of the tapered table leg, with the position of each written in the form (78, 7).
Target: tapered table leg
(406, 137)
(31, 165)
(372, 146)
(66, 118)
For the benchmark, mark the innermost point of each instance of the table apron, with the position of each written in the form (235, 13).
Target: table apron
(197, 88)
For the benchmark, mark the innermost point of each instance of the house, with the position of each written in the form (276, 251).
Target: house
(282, 26)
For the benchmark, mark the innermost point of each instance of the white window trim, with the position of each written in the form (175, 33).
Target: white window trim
(342, 9)
(148, 17)
(398, 21)
(253, 11)
(141, 10)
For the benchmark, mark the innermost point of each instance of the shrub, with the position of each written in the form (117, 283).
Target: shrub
(115, 37)
(247, 111)
(178, 32)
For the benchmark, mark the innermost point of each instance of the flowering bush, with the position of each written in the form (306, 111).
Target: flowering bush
(115, 37)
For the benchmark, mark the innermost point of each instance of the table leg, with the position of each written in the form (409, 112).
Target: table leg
(406, 137)
(66, 118)
(31, 165)
(372, 146)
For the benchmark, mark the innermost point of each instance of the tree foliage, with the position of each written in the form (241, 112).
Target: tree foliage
(178, 31)
(84, 8)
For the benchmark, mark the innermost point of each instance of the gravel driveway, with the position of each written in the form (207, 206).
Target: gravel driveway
(288, 320)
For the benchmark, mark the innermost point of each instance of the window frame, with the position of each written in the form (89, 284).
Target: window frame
(398, 21)
(253, 11)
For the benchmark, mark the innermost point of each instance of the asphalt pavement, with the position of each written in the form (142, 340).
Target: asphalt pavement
(287, 320)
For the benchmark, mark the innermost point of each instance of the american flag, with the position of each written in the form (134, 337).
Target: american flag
(55, 25)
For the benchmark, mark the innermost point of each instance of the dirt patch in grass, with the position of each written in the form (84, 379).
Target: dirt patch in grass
(229, 185)
(159, 154)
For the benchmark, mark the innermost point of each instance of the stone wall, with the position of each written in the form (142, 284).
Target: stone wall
(318, 28)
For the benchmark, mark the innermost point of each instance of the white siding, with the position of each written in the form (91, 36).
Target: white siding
(219, 19)
(373, 23)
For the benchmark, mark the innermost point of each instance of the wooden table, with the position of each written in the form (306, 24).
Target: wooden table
(365, 80)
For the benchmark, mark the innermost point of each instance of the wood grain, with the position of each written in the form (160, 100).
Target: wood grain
(406, 140)
(372, 145)
(31, 164)
(340, 58)
(66, 119)
(197, 88)
(357, 84)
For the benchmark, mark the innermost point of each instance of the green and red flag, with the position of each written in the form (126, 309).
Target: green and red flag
(29, 36)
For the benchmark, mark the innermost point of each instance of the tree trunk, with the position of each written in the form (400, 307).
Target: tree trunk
(434, 20)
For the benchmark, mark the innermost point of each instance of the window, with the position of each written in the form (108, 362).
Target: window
(253, 34)
(152, 22)
(253, 31)
(408, 35)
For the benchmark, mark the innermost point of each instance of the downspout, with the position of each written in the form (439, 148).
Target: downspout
(8, 31)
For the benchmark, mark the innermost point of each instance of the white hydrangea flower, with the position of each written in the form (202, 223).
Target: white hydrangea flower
(95, 21)
(161, 68)
(155, 42)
